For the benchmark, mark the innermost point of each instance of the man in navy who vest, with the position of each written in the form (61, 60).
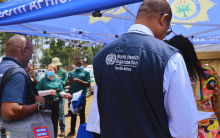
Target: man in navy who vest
(144, 89)
(17, 100)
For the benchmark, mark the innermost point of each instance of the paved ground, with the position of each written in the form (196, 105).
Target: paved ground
(67, 119)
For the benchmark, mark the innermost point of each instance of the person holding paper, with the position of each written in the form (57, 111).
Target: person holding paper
(51, 88)
(79, 79)
(205, 82)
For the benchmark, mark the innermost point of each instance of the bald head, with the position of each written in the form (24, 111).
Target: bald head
(15, 44)
(156, 15)
(152, 8)
(72, 67)
(20, 48)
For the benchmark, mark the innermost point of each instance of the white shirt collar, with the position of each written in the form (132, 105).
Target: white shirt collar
(142, 29)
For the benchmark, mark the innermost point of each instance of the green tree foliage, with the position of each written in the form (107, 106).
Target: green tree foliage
(3, 39)
(1, 1)
(67, 53)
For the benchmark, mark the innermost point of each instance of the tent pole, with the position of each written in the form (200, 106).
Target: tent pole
(207, 38)
(89, 37)
(129, 11)
(207, 46)
(196, 24)
(118, 16)
(82, 33)
(30, 27)
(61, 39)
(206, 31)
(17, 31)
(88, 44)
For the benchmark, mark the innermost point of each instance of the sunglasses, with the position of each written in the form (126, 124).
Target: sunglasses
(169, 30)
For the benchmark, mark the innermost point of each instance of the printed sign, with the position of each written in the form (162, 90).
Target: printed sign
(123, 62)
(190, 11)
(41, 132)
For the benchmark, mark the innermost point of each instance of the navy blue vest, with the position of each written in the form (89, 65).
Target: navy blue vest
(129, 75)
(9, 62)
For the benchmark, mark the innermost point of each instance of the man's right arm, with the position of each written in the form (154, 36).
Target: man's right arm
(14, 111)
(179, 100)
(13, 98)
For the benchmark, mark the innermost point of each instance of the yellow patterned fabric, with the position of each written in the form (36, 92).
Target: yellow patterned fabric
(206, 89)
(209, 128)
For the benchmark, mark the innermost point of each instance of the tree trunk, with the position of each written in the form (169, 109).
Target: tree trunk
(53, 47)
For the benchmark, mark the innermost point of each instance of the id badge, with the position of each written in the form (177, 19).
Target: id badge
(41, 132)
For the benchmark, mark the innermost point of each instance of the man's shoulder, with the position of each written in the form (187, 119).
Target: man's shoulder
(20, 71)
(16, 79)
(158, 47)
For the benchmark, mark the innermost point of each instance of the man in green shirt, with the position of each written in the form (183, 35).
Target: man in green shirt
(79, 79)
(61, 73)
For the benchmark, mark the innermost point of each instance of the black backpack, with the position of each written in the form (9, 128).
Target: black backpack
(8, 74)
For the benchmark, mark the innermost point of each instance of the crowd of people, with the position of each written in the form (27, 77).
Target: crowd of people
(160, 89)
(47, 93)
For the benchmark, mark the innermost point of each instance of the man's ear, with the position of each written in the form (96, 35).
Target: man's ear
(24, 50)
(164, 19)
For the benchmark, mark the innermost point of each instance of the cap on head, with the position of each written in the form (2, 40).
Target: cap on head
(56, 61)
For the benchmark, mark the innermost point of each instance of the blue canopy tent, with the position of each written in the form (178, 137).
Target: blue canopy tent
(195, 19)
(101, 21)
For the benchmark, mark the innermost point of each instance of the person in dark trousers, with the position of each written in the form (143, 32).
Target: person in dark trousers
(144, 89)
(18, 101)
(51, 88)
(61, 73)
(79, 79)
(72, 68)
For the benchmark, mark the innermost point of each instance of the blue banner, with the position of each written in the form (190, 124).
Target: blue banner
(204, 27)
(22, 11)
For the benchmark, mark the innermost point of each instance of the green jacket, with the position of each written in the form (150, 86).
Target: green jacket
(37, 75)
(61, 73)
(47, 84)
(82, 75)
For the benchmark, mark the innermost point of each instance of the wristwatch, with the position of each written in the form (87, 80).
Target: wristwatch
(39, 106)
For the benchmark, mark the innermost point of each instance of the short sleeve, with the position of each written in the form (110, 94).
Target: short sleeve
(87, 77)
(37, 75)
(40, 85)
(216, 93)
(15, 89)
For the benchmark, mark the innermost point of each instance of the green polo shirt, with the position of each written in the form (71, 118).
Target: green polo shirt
(37, 75)
(47, 84)
(61, 73)
(82, 75)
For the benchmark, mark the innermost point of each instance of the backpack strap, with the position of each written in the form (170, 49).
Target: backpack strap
(5, 78)
(8, 74)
